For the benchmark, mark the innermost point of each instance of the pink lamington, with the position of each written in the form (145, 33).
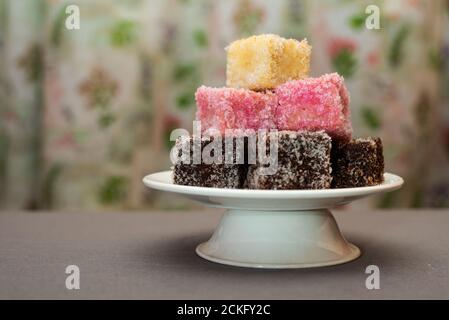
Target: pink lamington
(315, 104)
(219, 109)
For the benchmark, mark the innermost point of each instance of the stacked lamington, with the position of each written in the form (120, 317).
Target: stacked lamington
(272, 110)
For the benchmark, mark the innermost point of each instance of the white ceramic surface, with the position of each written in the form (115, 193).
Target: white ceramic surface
(275, 228)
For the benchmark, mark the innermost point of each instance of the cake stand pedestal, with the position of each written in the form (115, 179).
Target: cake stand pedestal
(275, 228)
(278, 239)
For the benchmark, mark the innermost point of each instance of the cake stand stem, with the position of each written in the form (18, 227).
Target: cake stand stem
(278, 239)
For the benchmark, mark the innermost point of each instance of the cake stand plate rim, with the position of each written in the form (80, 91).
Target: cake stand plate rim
(163, 181)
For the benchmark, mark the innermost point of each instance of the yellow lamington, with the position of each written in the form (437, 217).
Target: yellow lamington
(265, 61)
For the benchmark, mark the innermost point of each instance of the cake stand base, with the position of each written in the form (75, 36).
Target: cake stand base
(278, 240)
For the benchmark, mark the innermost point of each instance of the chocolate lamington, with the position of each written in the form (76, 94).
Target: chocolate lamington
(303, 162)
(208, 162)
(357, 163)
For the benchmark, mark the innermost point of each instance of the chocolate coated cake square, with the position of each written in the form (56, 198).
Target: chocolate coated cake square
(223, 167)
(303, 162)
(357, 163)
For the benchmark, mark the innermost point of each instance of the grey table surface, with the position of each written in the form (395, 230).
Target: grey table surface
(150, 255)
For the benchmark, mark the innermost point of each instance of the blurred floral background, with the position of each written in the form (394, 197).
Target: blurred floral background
(85, 114)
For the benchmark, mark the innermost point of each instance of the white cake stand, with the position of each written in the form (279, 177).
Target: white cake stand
(275, 228)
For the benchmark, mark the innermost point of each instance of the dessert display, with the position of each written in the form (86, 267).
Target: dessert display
(274, 107)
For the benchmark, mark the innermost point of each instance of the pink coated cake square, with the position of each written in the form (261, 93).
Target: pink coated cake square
(315, 104)
(220, 109)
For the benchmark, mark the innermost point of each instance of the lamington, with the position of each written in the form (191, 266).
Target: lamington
(265, 61)
(210, 161)
(315, 104)
(303, 162)
(220, 109)
(305, 123)
(357, 163)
